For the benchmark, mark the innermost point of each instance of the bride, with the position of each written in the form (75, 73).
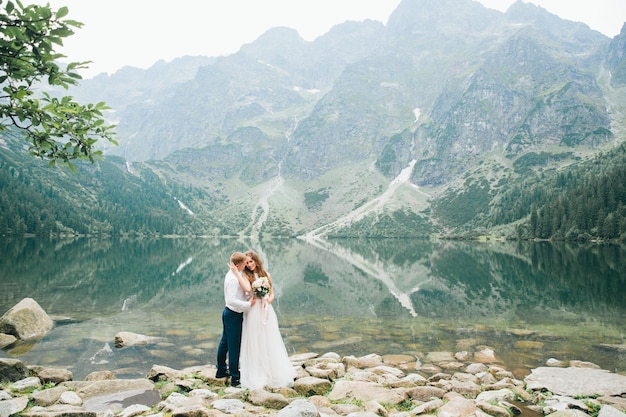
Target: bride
(264, 360)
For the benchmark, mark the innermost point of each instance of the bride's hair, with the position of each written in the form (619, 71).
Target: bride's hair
(260, 269)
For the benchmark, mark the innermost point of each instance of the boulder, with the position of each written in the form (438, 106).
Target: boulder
(12, 370)
(26, 320)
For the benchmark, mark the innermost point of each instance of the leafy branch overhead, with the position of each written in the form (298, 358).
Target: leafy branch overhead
(57, 129)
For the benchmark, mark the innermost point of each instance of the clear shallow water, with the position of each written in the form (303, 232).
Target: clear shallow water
(529, 302)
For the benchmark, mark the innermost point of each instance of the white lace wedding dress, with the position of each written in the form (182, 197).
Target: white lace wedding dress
(263, 359)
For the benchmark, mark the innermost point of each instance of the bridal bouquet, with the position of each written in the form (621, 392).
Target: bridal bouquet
(261, 287)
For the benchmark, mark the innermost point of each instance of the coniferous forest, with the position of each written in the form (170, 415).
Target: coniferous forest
(585, 201)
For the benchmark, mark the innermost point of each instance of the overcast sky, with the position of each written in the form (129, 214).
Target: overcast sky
(140, 32)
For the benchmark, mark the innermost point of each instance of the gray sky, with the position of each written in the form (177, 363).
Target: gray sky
(140, 32)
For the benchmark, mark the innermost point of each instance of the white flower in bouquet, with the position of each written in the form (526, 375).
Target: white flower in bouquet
(261, 287)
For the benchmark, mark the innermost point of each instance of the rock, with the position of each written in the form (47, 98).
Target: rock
(569, 413)
(205, 394)
(70, 398)
(26, 384)
(617, 402)
(6, 340)
(493, 410)
(267, 399)
(48, 397)
(367, 361)
(476, 368)
(173, 401)
(12, 370)
(462, 356)
(458, 406)
(365, 391)
(582, 364)
(466, 388)
(556, 362)
(134, 410)
(164, 373)
(26, 320)
(308, 386)
(13, 406)
(114, 394)
(386, 370)
(573, 382)
(100, 376)
(299, 408)
(496, 396)
(608, 411)
(54, 375)
(228, 406)
(425, 393)
(485, 355)
(330, 370)
(345, 409)
(59, 410)
(127, 339)
(193, 408)
(427, 407)
(439, 357)
(302, 358)
(409, 381)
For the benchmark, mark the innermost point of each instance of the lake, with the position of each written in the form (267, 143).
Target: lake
(528, 301)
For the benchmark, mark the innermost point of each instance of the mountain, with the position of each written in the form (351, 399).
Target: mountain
(376, 130)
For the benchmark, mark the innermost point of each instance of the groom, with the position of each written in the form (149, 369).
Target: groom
(232, 319)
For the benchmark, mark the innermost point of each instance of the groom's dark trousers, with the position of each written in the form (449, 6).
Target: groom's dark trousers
(230, 344)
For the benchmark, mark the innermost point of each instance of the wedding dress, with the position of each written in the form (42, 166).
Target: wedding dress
(263, 359)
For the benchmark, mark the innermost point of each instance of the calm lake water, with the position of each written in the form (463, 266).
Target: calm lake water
(527, 301)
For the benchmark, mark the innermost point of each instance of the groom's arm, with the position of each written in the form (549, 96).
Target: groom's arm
(233, 295)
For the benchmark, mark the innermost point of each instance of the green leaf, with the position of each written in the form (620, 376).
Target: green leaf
(62, 12)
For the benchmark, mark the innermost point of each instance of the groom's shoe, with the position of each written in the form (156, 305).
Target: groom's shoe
(235, 383)
(221, 374)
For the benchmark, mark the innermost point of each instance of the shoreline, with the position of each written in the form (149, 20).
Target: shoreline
(437, 383)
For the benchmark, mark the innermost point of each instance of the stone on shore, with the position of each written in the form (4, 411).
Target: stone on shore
(574, 382)
(369, 390)
(114, 394)
(26, 320)
(13, 406)
(12, 370)
(299, 408)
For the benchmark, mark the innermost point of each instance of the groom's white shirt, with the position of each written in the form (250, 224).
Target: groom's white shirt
(234, 296)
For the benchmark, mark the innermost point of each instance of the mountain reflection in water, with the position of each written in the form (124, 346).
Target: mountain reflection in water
(527, 301)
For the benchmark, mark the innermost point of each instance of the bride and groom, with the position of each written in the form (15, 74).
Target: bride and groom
(251, 339)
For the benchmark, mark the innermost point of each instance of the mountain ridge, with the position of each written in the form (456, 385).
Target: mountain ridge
(475, 101)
